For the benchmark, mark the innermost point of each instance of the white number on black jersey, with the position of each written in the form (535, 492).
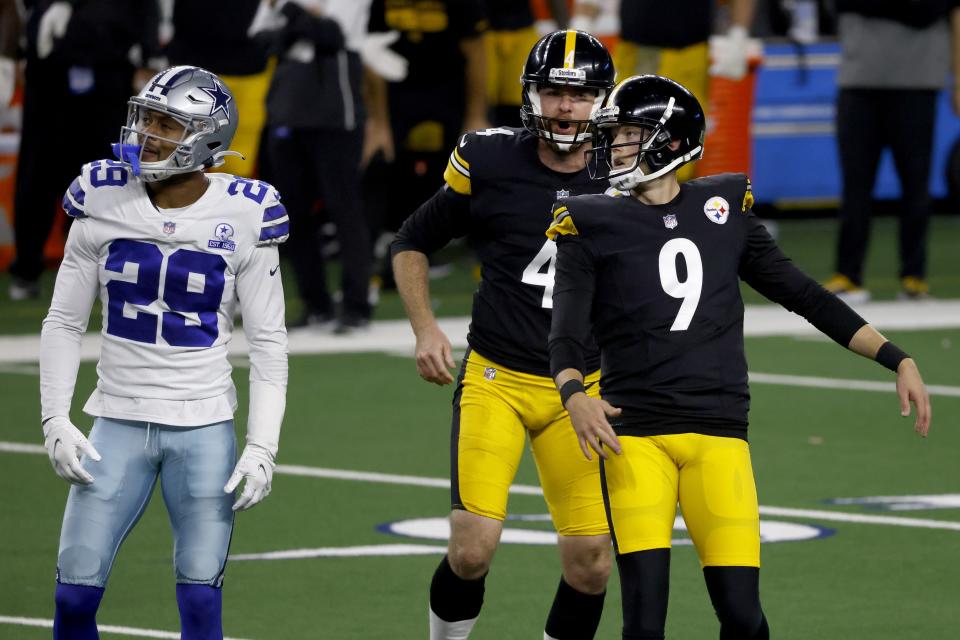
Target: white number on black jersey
(535, 275)
(689, 290)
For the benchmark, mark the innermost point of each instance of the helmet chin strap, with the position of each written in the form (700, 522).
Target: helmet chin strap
(633, 179)
(220, 157)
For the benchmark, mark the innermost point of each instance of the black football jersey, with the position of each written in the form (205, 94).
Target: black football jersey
(659, 286)
(500, 196)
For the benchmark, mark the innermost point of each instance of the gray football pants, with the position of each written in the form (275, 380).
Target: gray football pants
(193, 465)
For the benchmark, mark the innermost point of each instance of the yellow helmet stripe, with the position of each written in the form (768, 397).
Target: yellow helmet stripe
(570, 50)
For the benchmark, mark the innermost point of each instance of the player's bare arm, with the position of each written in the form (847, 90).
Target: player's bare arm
(868, 342)
(434, 354)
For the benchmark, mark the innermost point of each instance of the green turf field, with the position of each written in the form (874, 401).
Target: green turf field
(369, 413)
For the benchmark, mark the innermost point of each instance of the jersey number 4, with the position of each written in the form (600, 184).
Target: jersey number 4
(540, 273)
(201, 294)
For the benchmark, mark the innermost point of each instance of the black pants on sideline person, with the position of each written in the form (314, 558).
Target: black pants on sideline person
(70, 117)
(307, 164)
(868, 120)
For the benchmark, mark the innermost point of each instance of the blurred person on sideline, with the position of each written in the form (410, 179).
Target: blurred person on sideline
(78, 62)
(513, 31)
(443, 95)
(223, 47)
(654, 41)
(896, 57)
(316, 117)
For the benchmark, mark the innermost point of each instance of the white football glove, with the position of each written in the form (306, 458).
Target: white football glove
(256, 465)
(582, 22)
(266, 18)
(729, 54)
(53, 24)
(62, 441)
(376, 54)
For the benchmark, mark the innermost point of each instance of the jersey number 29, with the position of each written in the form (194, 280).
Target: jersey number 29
(180, 294)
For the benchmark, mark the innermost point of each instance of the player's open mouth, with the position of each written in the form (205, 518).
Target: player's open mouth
(563, 126)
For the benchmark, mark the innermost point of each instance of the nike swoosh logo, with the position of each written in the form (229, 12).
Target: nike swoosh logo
(463, 142)
(274, 270)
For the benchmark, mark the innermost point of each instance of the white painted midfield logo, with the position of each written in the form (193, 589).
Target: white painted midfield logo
(717, 210)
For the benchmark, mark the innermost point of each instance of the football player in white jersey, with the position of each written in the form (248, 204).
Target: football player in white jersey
(171, 251)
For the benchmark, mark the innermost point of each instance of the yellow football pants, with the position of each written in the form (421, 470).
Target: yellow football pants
(494, 410)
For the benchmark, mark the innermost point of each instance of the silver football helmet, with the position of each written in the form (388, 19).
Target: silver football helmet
(195, 98)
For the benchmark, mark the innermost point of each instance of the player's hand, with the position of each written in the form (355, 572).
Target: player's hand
(256, 465)
(376, 53)
(729, 54)
(378, 138)
(63, 441)
(434, 356)
(589, 418)
(53, 24)
(910, 388)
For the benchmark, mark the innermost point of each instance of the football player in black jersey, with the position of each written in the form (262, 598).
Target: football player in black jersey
(653, 274)
(500, 185)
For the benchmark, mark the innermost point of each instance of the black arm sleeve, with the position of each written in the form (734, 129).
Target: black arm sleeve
(765, 268)
(324, 32)
(573, 287)
(445, 216)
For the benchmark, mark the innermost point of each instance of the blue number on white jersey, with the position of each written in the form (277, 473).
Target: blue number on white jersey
(107, 173)
(248, 186)
(181, 263)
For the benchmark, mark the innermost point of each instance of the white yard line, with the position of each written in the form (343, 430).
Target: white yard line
(843, 383)
(374, 550)
(444, 483)
(396, 336)
(102, 628)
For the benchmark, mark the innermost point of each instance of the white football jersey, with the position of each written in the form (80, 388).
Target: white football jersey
(169, 281)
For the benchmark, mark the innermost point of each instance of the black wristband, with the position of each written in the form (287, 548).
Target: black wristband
(890, 356)
(569, 388)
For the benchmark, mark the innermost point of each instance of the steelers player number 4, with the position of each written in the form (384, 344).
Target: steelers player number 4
(540, 273)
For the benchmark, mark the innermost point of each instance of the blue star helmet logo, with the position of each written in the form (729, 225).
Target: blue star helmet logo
(220, 99)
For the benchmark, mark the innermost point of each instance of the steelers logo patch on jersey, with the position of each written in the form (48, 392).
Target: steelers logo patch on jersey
(716, 209)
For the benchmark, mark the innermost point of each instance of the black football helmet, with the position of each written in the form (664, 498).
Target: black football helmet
(672, 124)
(571, 59)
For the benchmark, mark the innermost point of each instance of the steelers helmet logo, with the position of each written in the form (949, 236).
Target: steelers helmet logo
(716, 209)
